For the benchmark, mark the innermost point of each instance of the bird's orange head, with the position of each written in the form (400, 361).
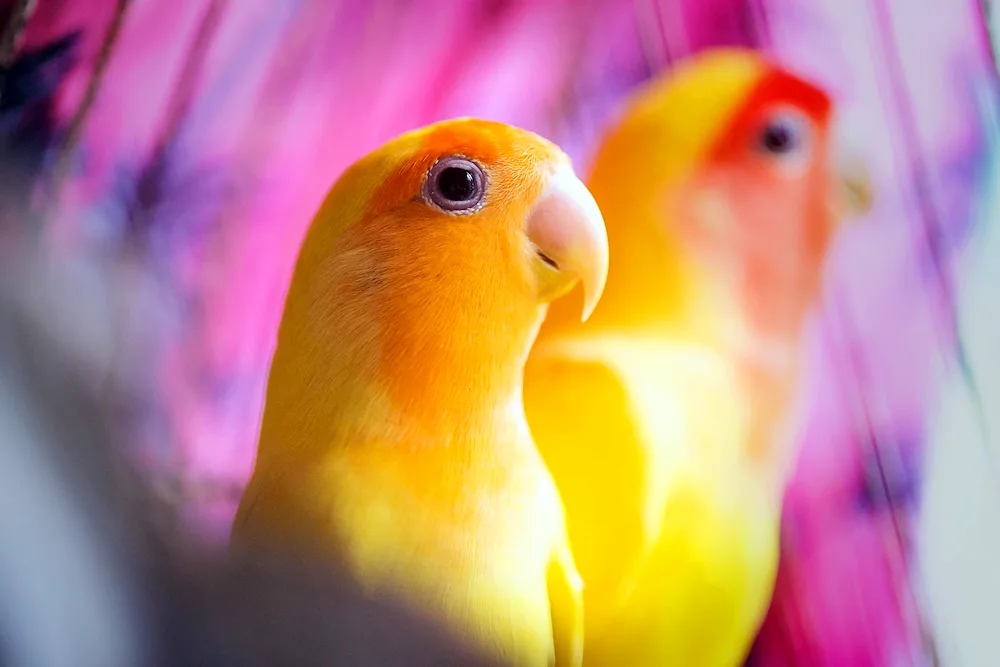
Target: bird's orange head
(423, 278)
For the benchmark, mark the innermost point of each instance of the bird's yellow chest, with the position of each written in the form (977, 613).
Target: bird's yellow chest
(711, 573)
(710, 523)
(714, 567)
(705, 588)
(472, 549)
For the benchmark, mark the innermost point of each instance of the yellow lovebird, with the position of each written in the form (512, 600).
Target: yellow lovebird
(661, 417)
(394, 440)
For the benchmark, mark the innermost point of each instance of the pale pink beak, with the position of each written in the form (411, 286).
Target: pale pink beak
(567, 229)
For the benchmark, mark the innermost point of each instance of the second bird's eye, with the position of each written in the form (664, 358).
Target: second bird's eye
(783, 134)
(455, 184)
(778, 138)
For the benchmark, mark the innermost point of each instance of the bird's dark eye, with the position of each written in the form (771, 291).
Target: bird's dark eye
(783, 134)
(455, 184)
(778, 138)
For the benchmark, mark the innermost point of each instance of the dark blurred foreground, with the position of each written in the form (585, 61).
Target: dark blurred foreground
(93, 571)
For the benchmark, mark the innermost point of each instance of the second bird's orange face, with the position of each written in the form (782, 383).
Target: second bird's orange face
(758, 212)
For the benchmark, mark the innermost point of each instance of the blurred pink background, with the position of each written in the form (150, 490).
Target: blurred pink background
(217, 126)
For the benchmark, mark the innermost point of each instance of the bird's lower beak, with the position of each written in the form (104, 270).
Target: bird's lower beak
(567, 230)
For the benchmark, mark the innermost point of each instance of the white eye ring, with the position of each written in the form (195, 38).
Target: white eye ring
(785, 137)
(455, 184)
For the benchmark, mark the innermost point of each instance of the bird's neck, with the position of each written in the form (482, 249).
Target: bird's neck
(450, 383)
(420, 384)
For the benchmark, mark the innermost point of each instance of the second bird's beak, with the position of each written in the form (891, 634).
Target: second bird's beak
(855, 189)
(567, 230)
(853, 186)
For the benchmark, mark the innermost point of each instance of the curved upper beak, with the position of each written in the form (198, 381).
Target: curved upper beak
(567, 230)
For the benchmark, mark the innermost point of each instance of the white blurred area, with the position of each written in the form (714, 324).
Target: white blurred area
(95, 569)
(66, 594)
(959, 539)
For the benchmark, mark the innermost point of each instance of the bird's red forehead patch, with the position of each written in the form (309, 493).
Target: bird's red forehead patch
(776, 87)
(779, 86)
